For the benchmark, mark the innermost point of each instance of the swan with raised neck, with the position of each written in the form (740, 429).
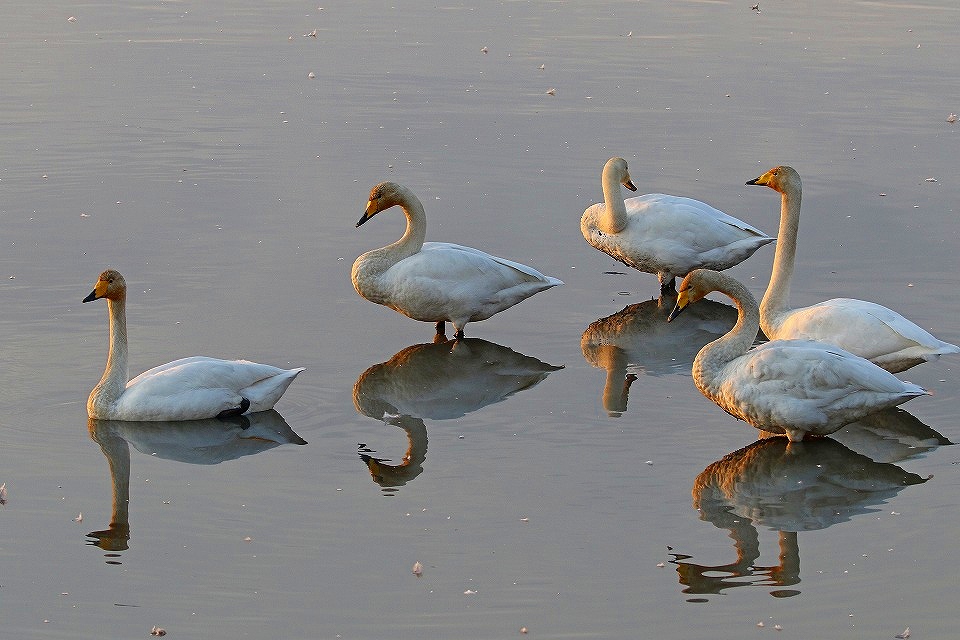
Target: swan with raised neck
(864, 328)
(437, 281)
(187, 389)
(662, 234)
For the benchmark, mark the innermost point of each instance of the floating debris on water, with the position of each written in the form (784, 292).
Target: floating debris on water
(484, 50)
(551, 92)
(952, 118)
(79, 517)
(417, 569)
(905, 634)
(72, 19)
(311, 75)
(158, 631)
(312, 34)
(3, 493)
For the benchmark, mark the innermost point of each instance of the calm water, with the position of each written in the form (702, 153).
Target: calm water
(184, 144)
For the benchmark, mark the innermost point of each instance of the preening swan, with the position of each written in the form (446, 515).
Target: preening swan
(796, 387)
(867, 329)
(666, 235)
(187, 389)
(437, 281)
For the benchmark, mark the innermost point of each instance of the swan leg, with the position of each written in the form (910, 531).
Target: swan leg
(236, 411)
(458, 334)
(441, 328)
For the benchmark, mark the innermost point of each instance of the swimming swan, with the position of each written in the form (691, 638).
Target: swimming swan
(187, 389)
(796, 387)
(437, 281)
(867, 329)
(666, 235)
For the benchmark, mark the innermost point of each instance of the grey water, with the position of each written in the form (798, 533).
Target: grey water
(556, 473)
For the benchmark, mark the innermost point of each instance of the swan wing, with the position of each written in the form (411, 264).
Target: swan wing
(809, 385)
(446, 281)
(201, 387)
(867, 329)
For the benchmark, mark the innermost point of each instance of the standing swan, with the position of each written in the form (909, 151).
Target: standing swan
(666, 235)
(796, 387)
(188, 389)
(867, 329)
(437, 281)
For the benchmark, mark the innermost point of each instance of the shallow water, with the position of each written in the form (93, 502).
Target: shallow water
(184, 144)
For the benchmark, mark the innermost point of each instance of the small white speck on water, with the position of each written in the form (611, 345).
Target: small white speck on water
(778, 627)
(894, 513)
(469, 592)
(952, 118)
(543, 66)
(79, 517)
(927, 180)
(247, 539)
(909, 284)
(552, 92)
(311, 75)
(461, 437)
(905, 634)
(883, 195)
(649, 461)
(72, 19)
(661, 565)
(417, 569)
(760, 624)
(484, 50)
(524, 519)
(523, 630)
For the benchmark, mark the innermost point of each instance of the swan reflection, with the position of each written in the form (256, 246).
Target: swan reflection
(442, 380)
(890, 436)
(195, 442)
(788, 488)
(637, 340)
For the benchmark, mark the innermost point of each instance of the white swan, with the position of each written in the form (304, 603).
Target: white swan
(867, 329)
(796, 387)
(187, 389)
(666, 235)
(437, 281)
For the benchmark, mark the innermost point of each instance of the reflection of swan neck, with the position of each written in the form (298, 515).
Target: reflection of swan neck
(614, 216)
(117, 452)
(114, 379)
(776, 300)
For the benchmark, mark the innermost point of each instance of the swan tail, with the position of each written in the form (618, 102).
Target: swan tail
(265, 393)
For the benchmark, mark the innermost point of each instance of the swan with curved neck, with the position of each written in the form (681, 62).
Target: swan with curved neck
(437, 281)
(867, 329)
(187, 389)
(794, 387)
(662, 234)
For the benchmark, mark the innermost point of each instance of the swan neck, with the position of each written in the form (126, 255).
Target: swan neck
(614, 216)
(412, 239)
(114, 379)
(733, 344)
(776, 300)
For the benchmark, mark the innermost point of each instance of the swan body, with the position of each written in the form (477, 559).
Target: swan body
(662, 234)
(187, 389)
(437, 281)
(796, 387)
(867, 329)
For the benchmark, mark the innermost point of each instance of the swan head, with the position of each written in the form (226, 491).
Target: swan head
(110, 285)
(383, 196)
(617, 169)
(780, 179)
(695, 287)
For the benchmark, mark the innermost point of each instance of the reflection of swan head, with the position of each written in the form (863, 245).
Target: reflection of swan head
(795, 486)
(638, 341)
(445, 380)
(390, 476)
